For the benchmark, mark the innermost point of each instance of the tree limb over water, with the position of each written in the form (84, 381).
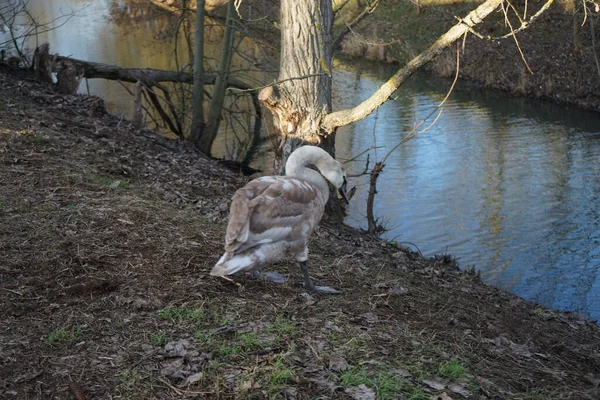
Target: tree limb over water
(345, 117)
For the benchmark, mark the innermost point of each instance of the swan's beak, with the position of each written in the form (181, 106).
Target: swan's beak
(342, 191)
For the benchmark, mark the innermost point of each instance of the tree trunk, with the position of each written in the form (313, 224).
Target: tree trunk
(211, 129)
(303, 97)
(197, 126)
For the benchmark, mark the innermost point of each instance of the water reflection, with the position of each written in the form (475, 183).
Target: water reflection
(132, 33)
(508, 185)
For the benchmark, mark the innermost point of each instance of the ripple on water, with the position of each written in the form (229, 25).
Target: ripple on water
(509, 186)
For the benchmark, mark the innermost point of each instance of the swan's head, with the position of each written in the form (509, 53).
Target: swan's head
(329, 168)
(334, 173)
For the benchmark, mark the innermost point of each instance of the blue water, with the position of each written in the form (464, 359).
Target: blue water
(507, 185)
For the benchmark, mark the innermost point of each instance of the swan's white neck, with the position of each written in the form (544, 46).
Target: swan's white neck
(303, 156)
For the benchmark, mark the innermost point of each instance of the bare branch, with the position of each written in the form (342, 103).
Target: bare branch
(279, 82)
(344, 117)
(524, 24)
(373, 225)
(369, 8)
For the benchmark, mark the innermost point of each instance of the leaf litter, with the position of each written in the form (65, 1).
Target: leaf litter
(108, 235)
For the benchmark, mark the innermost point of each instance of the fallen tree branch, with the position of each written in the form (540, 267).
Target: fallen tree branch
(148, 76)
(151, 77)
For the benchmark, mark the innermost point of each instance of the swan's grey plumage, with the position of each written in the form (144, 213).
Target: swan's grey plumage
(275, 215)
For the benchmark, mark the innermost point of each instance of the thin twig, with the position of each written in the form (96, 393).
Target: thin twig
(515, 36)
(378, 168)
(278, 82)
(360, 154)
(524, 25)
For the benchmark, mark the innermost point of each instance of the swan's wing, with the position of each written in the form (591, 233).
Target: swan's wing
(271, 209)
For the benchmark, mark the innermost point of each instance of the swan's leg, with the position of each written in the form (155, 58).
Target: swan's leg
(274, 277)
(309, 285)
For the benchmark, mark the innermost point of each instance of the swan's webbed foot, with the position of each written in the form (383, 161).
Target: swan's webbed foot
(325, 290)
(274, 277)
(310, 286)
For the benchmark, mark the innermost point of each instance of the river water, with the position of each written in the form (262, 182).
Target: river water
(507, 185)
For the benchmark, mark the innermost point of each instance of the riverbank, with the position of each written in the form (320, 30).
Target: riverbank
(107, 237)
(559, 67)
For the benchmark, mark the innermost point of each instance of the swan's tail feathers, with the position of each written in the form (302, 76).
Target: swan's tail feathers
(229, 264)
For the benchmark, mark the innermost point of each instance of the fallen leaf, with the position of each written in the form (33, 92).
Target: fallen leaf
(177, 348)
(337, 363)
(361, 392)
(173, 368)
(307, 297)
(323, 383)
(436, 382)
(520, 349)
(247, 385)
(397, 290)
(193, 378)
(459, 388)
(369, 317)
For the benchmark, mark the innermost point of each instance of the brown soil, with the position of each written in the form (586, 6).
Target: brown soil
(106, 239)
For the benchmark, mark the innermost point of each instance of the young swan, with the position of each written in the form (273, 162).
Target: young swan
(275, 215)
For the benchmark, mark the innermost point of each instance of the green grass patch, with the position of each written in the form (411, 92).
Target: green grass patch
(279, 375)
(453, 369)
(177, 314)
(412, 392)
(159, 339)
(225, 347)
(251, 341)
(204, 338)
(358, 341)
(129, 379)
(385, 385)
(226, 350)
(106, 181)
(63, 335)
(282, 325)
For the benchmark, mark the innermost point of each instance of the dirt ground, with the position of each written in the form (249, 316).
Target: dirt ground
(107, 236)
